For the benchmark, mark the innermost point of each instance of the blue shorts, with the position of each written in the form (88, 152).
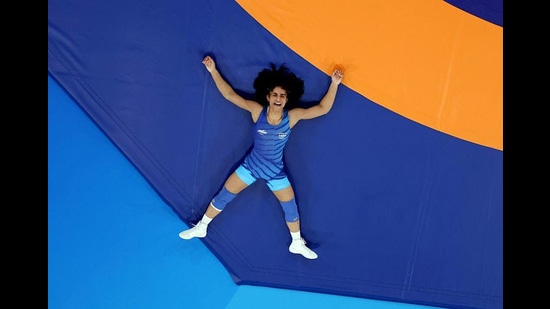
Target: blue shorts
(274, 184)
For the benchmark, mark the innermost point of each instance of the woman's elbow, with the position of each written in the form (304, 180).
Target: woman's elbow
(323, 110)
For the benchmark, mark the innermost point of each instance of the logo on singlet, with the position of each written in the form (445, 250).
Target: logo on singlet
(282, 135)
(262, 132)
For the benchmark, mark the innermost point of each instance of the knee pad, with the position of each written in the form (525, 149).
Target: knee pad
(291, 210)
(220, 201)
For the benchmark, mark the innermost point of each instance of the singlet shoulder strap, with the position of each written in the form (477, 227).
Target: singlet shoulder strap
(262, 113)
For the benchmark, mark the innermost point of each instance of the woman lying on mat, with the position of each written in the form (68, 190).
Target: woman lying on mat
(277, 91)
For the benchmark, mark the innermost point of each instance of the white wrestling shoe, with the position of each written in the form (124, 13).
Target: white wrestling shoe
(198, 230)
(298, 246)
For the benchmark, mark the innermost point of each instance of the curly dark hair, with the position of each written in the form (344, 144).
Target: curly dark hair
(282, 77)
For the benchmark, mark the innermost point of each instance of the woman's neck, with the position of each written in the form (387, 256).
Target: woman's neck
(274, 117)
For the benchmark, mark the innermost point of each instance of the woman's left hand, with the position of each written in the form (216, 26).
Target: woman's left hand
(337, 76)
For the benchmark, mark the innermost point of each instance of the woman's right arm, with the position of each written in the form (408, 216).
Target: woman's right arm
(227, 92)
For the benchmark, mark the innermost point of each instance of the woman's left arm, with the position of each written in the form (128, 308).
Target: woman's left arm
(324, 105)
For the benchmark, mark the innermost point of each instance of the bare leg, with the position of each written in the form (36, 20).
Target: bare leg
(293, 226)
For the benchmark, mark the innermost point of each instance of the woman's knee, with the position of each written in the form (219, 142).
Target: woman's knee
(222, 199)
(291, 210)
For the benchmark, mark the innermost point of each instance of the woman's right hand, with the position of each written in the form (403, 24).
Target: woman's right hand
(209, 63)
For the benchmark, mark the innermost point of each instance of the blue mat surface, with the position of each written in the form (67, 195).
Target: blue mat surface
(396, 211)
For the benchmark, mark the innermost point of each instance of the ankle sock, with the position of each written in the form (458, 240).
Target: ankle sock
(203, 223)
(296, 235)
(205, 220)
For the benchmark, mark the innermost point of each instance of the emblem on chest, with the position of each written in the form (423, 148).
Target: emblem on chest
(280, 135)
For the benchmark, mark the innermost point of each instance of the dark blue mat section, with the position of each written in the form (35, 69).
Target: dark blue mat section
(489, 10)
(396, 211)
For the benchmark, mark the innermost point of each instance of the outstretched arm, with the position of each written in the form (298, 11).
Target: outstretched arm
(324, 105)
(226, 90)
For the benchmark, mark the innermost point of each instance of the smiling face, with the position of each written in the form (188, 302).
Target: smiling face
(277, 98)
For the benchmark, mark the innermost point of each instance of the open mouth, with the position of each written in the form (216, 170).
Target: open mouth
(277, 104)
